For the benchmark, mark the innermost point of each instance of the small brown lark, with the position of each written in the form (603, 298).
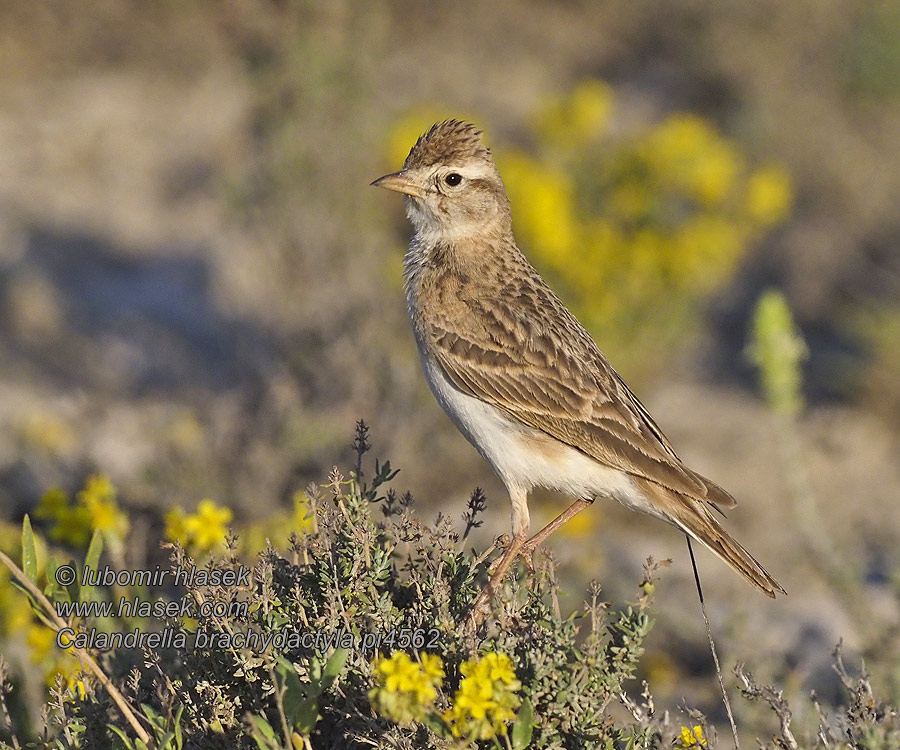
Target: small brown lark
(519, 376)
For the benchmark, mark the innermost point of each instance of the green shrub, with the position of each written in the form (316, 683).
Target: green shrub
(354, 637)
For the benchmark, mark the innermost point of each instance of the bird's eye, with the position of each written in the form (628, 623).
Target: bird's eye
(453, 179)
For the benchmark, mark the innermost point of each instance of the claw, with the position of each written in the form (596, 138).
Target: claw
(497, 572)
(503, 542)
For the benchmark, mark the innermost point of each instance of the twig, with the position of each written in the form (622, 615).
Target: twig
(58, 623)
(776, 701)
(712, 648)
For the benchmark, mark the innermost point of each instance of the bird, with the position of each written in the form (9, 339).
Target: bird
(520, 376)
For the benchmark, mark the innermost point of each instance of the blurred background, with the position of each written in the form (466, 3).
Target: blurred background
(201, 294)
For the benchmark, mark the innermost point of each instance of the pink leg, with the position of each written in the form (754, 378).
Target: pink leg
(518, 546)
(480, 608)
(573, 510)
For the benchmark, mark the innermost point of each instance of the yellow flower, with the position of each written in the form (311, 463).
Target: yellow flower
(692, 737)
(405, 689)
(499, 667)
(76, 686)
(175, 526)
(41, 641)
(97, 488)
(302, 519)
(99, 500)
(71, 524)
(95, 508)
(486, 700)
(769, 195)
(543, 201)
(209, 524)
(202, 530)
(577, 118)
(432, 666)
(714, 174)
(686, 153)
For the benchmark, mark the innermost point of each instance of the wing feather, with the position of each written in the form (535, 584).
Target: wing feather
(547, 373)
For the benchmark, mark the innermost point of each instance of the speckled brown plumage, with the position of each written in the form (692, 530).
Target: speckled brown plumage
(446, 142)
(515, 370)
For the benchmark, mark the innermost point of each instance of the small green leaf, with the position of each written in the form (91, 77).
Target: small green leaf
(73, 588)
(294, 694)
(122, 736)
(178, 738)
(307, 715)
(53, 591)
(92, 559)
(29, 556)
(333, 667)
(315, 673)
(156, 721)
(523, 726)
(263, 733)
(435, 722)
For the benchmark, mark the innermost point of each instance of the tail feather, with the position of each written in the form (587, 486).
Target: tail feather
(700, 524)
(715, 494)
(692, 515)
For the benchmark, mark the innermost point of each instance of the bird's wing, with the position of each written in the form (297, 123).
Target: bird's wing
(542, 368)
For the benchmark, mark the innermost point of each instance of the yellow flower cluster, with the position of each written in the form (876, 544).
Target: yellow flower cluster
(486, 700)
(405, 689)
(199, 531)
(684, 154)
(691, 737)
(95, 508)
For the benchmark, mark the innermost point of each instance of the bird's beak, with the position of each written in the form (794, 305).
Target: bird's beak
(400, 182)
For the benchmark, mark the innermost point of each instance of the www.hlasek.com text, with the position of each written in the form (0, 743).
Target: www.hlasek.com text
(158, 609)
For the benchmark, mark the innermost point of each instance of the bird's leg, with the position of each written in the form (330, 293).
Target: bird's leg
(480, 608)
(528, 548)
(520, 521)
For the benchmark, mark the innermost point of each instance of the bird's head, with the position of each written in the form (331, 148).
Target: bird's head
(452, 185)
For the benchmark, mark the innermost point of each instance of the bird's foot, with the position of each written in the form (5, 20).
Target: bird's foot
(527, 554)
(497, 571)
(503, 542)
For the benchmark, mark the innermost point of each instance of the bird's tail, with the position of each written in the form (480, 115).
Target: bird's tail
(692, 516)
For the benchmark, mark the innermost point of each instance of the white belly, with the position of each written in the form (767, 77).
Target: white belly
(523, 457)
